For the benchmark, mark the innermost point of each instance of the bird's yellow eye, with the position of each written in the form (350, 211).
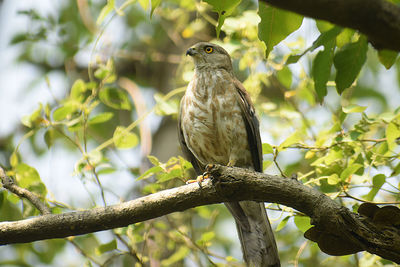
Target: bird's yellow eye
(208, 49)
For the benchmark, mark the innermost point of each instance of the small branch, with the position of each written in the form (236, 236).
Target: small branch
(377, 19)
(9, 184)
(228, 184)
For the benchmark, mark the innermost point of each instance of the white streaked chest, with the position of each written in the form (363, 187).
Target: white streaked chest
(212, 123)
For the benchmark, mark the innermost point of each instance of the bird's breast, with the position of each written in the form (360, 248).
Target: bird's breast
(212, 122)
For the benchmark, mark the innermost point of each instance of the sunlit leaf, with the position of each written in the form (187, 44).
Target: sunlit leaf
(302, 223)
(392, 133)
(282, 224)
(377, 182)
(154, 5)
(100, 118)
(78, 89)
(267, 148)
(350, 170)
(348, 62)
(14, 159)
(353, 108)
(285, 77)
(28, 177)
(333, 179)
(180, 254)
(105, 11)
(33, 119)
(106, 247)
(276, 24)
(154, 160)
(150, 172)
(294, 138)
(124, 139)
(115, 98)
(224, 8)
(64, 112)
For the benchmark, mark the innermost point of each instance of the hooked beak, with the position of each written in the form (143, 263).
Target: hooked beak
(191, 52)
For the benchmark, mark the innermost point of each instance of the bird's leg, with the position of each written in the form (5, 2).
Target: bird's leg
(206, 175)
(231, 163)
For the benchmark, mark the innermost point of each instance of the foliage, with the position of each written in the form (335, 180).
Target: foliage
(327, 115)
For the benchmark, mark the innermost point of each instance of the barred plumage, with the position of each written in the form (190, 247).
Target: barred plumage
(217, 124)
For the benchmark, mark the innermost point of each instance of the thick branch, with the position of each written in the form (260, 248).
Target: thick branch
(228, 184)
(378, 19)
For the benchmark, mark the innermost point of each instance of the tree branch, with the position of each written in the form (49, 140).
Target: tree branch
(378, 19)
(8, 183)
(228, 184)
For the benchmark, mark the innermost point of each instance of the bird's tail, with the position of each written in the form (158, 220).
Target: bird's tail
(255, 234)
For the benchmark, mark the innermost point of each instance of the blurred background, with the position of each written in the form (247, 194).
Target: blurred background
(76, 74)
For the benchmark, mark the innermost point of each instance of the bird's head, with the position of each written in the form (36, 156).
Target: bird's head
(210, 55)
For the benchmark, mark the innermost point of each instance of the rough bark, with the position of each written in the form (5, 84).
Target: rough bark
(377, 19)
(227, 185)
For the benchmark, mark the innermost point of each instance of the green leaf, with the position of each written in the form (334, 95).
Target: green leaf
(353, 108)
(344, 37)
(106, 247)
(285, 77)
(49, 137)
(377, 182)
(392, 133)
(205, 239)
(267, 148)
(154, 5)
(387, 57)
(321, 70)
(77, 90)
(100, 118)
(163, 107)
(154, 160)
(224, 8)
(180, 254)
(65, 111)
(333, 179)
(115, 98)
(172, 174)
(26, 175)
(105, 11)
(302, 223)
(276, 24)
(293, 59)
(326, 38)
(294, 138)
(14, 159)
(350, 170)
(150, 172)
(282, 224)
(124, 139)
(33, 119)
(348, 62)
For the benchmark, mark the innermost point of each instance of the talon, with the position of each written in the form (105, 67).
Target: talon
(201, 178)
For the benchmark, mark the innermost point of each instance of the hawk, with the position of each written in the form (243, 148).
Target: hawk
(217, 124)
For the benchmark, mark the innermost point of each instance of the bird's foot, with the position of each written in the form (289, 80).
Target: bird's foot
(206, 175)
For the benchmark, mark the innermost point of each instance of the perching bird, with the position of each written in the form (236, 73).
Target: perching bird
(217, 124)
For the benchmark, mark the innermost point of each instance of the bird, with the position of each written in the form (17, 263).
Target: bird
(217, 124)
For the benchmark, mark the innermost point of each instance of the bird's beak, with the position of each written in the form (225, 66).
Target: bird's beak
(191, 52)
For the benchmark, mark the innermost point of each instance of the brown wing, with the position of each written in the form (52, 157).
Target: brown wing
(252, 125)
(198, 167)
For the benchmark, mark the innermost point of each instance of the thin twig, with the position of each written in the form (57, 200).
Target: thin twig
(10, 185)
(131, 252)
(347, 195)
(82, 252)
